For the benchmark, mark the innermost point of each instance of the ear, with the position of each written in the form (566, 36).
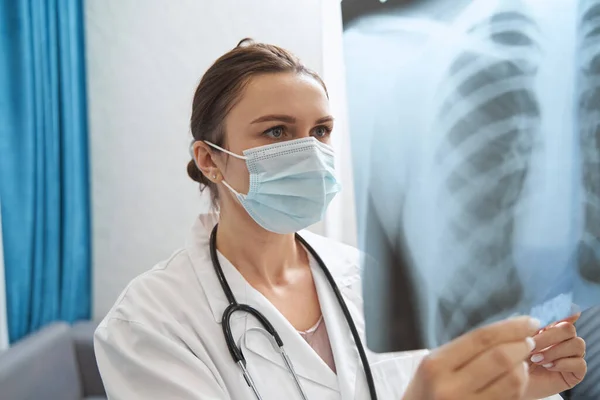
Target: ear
(203, 156)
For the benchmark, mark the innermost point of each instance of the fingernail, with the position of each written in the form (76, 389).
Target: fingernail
(537, 358)
(530, 343)
(534, 323)
(549, 365)
(561, 324)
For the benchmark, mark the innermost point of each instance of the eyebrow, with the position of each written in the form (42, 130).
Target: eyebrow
(327, 118)
(287, 118)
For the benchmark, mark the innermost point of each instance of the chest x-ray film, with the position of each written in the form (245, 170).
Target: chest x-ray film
(475, 128)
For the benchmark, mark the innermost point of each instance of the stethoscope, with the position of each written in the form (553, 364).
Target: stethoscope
(234, 306)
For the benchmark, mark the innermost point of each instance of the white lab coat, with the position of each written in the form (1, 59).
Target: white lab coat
(163, 338)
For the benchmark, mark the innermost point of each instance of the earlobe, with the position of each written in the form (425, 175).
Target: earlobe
(216, 177)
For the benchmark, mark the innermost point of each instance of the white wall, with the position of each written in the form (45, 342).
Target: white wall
(144, 60)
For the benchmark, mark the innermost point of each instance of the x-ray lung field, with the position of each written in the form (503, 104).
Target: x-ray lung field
(475, 128)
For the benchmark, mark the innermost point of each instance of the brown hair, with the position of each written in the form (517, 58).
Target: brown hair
(220, 89)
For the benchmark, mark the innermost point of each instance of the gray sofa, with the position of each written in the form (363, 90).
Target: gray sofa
(56, 363)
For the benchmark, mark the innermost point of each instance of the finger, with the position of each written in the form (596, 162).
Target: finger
(490, 365)
(575, 365)
(574, 347)
(511, 385)
(463, 349)
(554, 335)
(572, 319)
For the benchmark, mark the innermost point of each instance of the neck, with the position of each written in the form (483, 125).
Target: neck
(262, 257)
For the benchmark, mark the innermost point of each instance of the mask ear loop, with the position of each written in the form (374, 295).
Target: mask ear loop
(193, 156)
(227, 185)
(232, 190)
(225, 151)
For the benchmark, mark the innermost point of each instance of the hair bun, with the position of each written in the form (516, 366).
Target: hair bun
(195, 173)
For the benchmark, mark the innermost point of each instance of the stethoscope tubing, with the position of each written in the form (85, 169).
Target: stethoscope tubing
(234, 306)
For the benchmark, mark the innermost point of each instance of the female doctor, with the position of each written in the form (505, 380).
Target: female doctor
(210, 322)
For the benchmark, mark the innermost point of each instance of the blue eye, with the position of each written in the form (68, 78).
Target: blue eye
(322, 131)
(276, 132)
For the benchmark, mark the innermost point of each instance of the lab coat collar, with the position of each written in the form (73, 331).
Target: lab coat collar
(306, 362)
(344, 349)
(198, 248)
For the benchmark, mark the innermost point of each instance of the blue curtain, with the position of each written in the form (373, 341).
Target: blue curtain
(44, 181)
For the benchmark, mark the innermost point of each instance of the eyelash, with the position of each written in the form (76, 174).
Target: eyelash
(328, 130)
(268, 131)
(282, 127)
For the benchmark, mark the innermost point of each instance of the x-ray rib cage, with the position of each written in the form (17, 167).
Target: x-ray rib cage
(500, 213)
(490, 119)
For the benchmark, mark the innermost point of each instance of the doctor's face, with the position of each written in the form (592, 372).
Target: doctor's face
(272, 108)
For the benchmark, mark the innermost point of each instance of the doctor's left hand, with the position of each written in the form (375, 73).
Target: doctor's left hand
(557, 362)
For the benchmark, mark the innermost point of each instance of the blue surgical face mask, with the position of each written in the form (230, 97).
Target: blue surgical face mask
(291, 183)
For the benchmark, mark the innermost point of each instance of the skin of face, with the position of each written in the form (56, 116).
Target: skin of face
(272, 108)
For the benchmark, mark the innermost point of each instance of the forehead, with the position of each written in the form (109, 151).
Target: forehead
(297, 95)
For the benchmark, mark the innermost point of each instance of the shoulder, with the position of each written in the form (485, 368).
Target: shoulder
(159, 296)
(146, 347)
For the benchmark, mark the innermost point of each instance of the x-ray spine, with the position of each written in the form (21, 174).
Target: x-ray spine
(490, 117)
(589, 127)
